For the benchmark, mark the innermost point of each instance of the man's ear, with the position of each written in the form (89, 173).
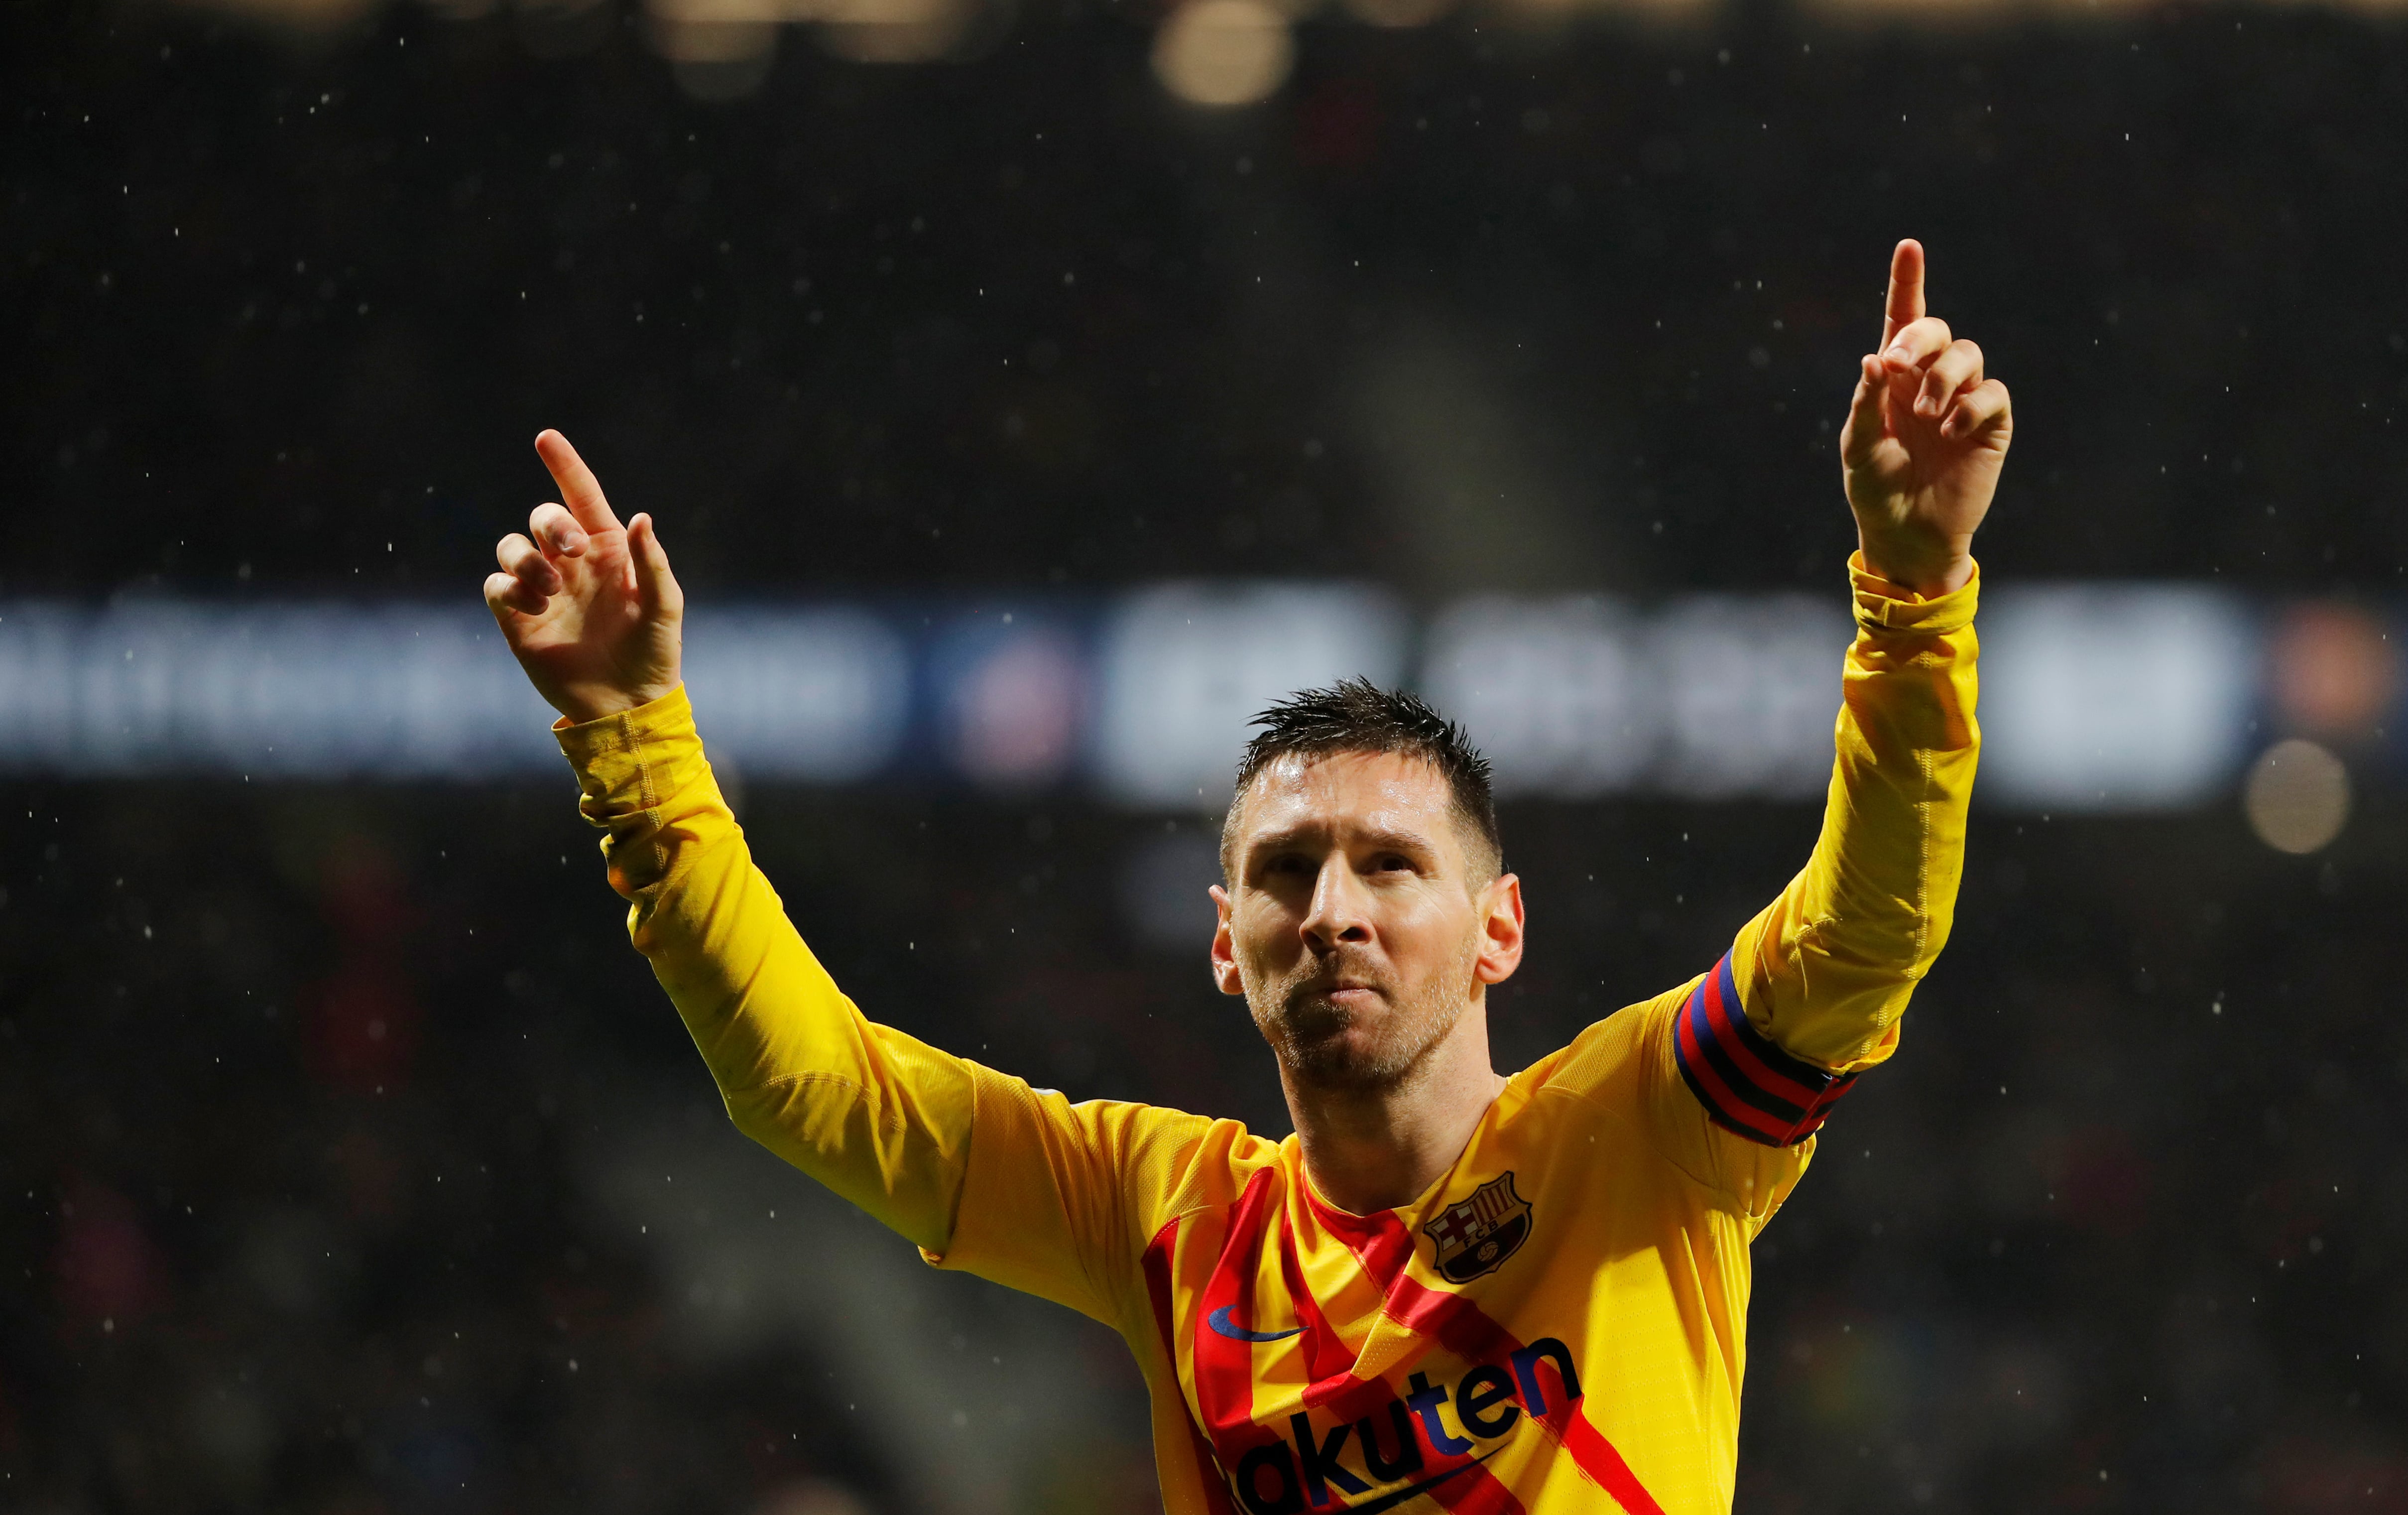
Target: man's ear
(1500, 930)
(1224, 949)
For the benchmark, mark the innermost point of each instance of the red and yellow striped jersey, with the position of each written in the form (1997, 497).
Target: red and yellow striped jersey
(1559, 1323)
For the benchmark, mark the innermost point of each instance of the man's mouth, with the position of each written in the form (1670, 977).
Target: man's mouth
(1345, 992)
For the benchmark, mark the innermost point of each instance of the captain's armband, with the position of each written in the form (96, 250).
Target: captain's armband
(1748, 1085)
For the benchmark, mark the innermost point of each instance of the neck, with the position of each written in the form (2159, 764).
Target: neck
(1377, 1148)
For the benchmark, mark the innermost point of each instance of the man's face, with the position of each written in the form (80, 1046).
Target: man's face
(1357, 923)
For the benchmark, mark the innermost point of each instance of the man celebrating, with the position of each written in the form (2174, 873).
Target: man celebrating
(1449, 1289)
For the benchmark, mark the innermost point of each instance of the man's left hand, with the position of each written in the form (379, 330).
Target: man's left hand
(1926, 435)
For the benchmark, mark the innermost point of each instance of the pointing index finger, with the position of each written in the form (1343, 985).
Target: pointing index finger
(578, 489)
(1905, 289)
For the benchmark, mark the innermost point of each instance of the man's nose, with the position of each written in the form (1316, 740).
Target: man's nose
(1337, 913)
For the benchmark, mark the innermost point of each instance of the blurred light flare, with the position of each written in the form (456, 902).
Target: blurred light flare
(1015, 712)
(2106, 697)
(306, 16)
(2297, 796)
(893, 31)
(1223, 54)
(2335, 670)
(722, 48)
(1398, 14)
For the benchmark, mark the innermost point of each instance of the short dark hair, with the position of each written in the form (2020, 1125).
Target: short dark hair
(1357, 715)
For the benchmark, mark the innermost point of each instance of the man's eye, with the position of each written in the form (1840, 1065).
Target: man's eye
(1392, 862)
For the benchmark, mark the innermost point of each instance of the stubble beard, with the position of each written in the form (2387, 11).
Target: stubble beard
(1309, 1032)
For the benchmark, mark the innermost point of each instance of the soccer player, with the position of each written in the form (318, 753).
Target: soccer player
(1449, 1289)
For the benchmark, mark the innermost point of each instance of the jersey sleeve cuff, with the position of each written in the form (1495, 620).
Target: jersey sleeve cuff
(629, 761)
(1887, 608)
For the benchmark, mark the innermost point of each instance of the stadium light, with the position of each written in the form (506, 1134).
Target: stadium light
(1224, 52)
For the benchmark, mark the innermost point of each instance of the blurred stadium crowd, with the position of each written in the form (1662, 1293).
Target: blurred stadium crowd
(350, 1162)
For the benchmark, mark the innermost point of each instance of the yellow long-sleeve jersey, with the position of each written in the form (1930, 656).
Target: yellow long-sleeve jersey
(1558, 1324)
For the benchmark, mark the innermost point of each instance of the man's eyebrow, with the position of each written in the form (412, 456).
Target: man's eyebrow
(1386, 838)
(1284, 836)
(1399, 841)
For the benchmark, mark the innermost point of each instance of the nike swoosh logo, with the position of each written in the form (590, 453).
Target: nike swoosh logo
(1223, 1325)
(1397, 1496)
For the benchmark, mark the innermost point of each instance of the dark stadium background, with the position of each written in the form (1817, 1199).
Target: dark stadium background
(2124, 1227)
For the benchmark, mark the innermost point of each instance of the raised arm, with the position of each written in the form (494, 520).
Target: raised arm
(1814, 988)
(594, 615)
(1049, 1197)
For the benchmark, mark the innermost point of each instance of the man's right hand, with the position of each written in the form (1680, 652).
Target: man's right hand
(589, 606)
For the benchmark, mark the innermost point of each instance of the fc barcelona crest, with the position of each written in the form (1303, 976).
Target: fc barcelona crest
(1476, 1235)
